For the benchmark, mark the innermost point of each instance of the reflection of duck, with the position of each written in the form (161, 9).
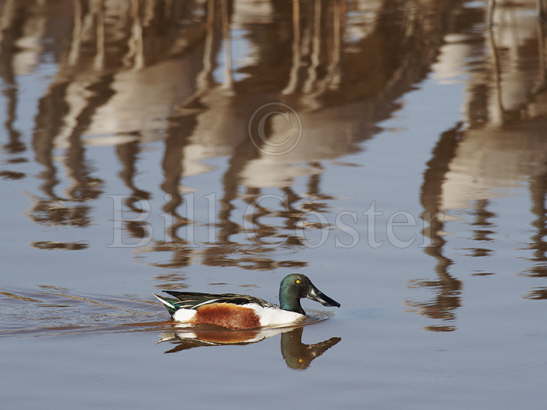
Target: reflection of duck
(297, 355)
(235, 311)
(200, 336)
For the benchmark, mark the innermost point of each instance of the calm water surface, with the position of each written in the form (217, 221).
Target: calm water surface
(394, 151)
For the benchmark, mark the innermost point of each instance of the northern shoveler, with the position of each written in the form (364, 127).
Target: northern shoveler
(235, 311)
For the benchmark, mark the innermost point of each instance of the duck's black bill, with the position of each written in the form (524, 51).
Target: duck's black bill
(318, 296)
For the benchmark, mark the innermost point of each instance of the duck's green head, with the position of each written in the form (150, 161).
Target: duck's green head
(297, 286)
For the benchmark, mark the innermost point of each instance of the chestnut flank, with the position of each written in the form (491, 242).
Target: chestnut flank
(227, 315)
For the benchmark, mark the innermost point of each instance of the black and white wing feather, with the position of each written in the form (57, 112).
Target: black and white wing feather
(193, 300)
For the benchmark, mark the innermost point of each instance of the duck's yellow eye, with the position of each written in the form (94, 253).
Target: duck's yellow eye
(298, 281)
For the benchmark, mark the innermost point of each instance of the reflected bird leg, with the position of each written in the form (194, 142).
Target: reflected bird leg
(296, 56)
(135, 54)
(541, 56)
(316, 51)
(490, 12)
(204, 77)
(227, 40)
(77, 33)
(100, 40)
(334, 69)
(499, 114)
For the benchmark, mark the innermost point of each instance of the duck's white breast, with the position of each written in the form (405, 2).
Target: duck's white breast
(274, 316)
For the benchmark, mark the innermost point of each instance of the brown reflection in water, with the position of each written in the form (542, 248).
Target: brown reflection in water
(52, 132)
(501, 146)
(338, 91)
(296, 354)
(537, 294)
(448, 288)
(171, 281)
(172, 165)
(129, 73)
(20, 24)
(11, 175)
(55, 213)
(482, 226)
(128, 156)
(72, 246)
(538, 244)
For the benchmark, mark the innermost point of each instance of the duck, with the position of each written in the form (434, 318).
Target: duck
(235, 311)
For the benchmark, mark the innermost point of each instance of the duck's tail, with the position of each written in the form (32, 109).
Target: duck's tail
(168, 303)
